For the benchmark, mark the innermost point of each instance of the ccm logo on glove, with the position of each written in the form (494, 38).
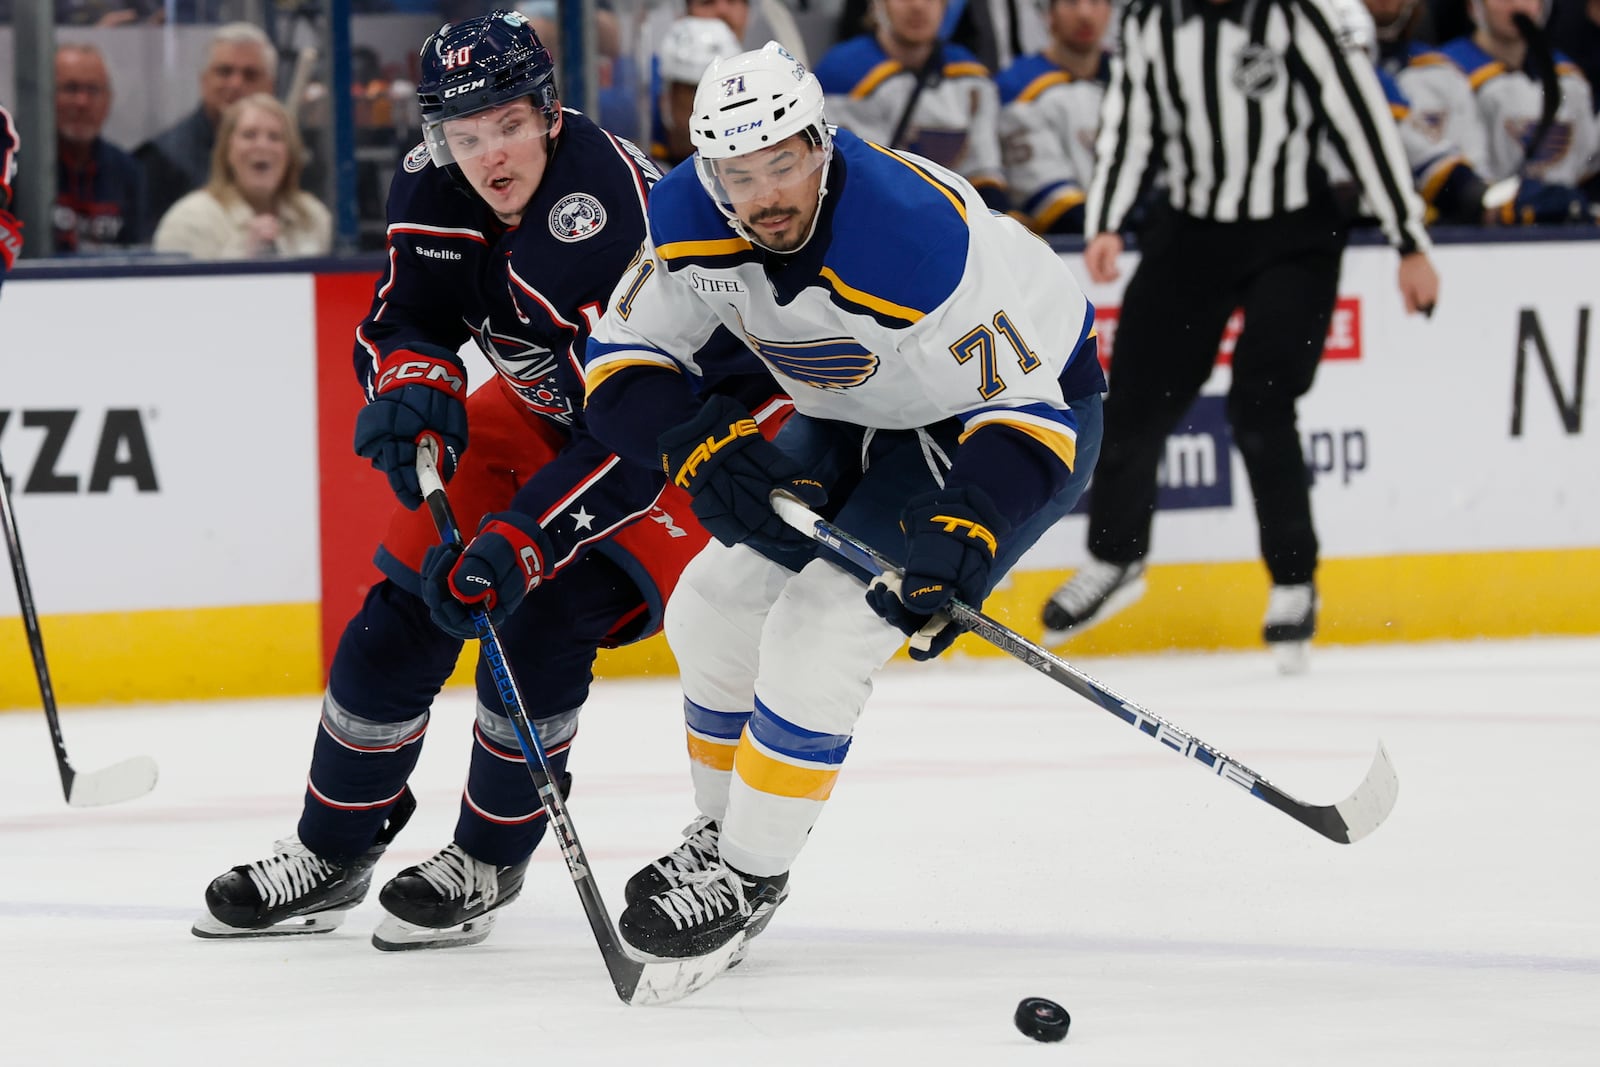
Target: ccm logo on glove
(437, 373)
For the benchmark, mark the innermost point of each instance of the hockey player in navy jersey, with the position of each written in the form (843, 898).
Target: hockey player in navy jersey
(10, 227)
(947, 397)
(509, 226)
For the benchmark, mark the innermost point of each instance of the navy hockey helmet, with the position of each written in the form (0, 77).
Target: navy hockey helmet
(480, 63)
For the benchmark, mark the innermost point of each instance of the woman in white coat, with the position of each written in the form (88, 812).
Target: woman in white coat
(253, 205)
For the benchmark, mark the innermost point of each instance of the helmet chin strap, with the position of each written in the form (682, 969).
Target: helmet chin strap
(822, 190)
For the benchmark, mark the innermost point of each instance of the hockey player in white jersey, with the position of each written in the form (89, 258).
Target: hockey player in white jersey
(942, 365)
(1050, 114)
(902, 87)
(1509, 99)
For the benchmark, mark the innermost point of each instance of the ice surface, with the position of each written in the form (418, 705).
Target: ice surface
(992, 837)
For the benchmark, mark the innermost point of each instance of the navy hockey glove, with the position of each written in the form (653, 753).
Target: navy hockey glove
(420, 391)
(10, 241)
(1537, 202)
(729, 470)
(951, 536)
(501, 566)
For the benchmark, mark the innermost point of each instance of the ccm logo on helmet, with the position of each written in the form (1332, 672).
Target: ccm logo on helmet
(742, 129)
(457, 90)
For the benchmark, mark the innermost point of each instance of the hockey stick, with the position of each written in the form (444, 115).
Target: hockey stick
(1349, 820)
(636, 981)
(133, 777)
(1504, 191)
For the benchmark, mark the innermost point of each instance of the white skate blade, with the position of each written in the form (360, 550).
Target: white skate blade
(397, 935)
(133, 777)
(322, 922)
(1122, 597)
(1293, 657)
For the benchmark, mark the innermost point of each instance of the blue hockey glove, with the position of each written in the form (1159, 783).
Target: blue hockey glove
(951, 537)
(501, 566)
(1537, 202)
(729, 470)
(420, 391)
(10, 241)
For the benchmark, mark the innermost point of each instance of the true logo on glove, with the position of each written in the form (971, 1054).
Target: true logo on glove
(975, 530)
(709, 447)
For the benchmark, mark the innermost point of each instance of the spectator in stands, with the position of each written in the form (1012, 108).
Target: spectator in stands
(100, 198)
(176, 161)
(253, 204)
(1575, 30)
(902, 87)
(1050, 114)
(1506, 87)
(690, 46)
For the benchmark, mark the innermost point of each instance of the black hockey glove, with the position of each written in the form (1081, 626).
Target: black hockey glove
(729, 471)
(420, 391)
(503, 564)
(1539, 202)
(951, 536)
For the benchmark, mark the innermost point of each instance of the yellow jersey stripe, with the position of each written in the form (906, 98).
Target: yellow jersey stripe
(1043, 82)
(601, 370)
(1485, 72)
(724, 246)
(875, 77)
(865, 299)
(1059, 442)
(965, 69)
(1064, 202)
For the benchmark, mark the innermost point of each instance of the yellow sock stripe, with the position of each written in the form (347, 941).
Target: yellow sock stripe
(766, 772)
(711, 752)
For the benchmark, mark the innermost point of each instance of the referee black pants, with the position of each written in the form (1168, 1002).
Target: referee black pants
(1192, 274)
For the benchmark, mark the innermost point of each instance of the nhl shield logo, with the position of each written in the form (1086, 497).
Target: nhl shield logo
(1257, 70)
(576, 216)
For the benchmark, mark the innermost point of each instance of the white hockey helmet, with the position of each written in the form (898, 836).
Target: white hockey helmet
(692, 44)
(751, 102)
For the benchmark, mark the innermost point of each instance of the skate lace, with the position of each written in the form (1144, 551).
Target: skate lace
(696, 854)
(1289, 604)
(704, 896)
(1092, 584)
(455, 874)
(291, 871)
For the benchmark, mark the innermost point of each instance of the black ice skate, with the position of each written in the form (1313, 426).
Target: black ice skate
(446, 901)
(697, 854)
(1290, 624)
(703, 914)
(294, 891)
(1098, 591)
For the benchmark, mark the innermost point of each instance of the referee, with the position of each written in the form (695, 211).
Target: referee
(1231, 101)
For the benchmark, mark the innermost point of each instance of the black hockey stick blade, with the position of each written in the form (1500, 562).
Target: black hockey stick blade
(123, 781)
(1349, 820)
(636, 981)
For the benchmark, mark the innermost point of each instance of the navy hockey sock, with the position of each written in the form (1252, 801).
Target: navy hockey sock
(503, 817)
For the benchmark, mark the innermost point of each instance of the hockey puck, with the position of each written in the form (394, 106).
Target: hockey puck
(1042, 1020)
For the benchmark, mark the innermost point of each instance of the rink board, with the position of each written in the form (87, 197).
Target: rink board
(195, 525)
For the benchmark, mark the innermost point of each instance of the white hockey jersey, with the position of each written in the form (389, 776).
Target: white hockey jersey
(1048, 123)
(911, 304)
(956, 119)
(1508, 106)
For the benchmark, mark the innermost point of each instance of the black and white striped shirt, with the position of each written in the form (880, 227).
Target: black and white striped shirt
(1232, 101)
